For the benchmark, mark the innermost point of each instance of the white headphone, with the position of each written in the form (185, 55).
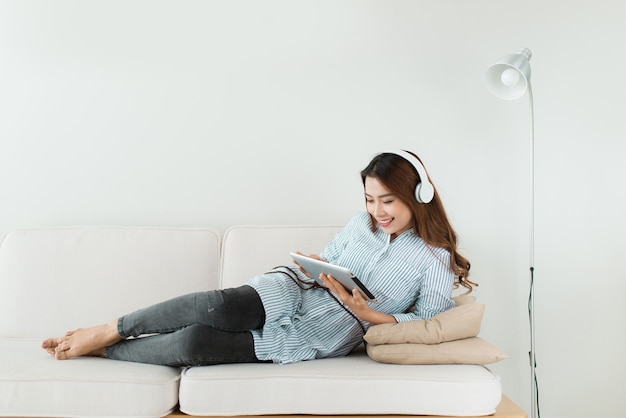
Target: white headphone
(424, 191)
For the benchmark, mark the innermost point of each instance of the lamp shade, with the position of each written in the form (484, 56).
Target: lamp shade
(508, 77)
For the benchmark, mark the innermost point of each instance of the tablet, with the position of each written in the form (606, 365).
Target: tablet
(341, 274)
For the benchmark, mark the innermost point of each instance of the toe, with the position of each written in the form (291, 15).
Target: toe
(49, 343)
(62, 345)
(62, 350)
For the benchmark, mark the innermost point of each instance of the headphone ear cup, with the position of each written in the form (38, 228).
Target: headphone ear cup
(418, 196)
(424, 192)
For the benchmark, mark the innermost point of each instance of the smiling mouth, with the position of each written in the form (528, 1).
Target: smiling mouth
(385, 222)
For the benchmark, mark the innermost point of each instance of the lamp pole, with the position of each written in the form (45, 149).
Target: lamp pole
(534, 390)
(509, 79)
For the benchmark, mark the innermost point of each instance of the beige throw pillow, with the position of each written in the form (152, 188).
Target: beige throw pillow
(466, 351)
(447, 338)
(454, 324)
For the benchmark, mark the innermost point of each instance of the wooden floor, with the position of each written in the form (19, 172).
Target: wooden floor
(506, 409)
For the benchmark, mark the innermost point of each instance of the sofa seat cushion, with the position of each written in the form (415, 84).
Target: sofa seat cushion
(351, 385)
(32, 383)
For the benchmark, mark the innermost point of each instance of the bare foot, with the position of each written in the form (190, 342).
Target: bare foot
(83, 342)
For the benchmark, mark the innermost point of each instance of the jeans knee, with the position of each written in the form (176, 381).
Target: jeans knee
(236, 309)
(203, 345)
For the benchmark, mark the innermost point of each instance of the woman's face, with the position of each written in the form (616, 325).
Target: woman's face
(393, 215)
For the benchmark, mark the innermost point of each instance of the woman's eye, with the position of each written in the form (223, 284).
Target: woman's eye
(387, 202)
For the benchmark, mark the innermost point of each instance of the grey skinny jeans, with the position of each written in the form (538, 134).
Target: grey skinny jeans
(198, 329)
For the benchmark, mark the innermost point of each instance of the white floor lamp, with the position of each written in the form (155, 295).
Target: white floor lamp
(509, 78)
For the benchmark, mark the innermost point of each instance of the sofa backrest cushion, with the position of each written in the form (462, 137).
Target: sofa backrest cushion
(56, 279)
(248, 251)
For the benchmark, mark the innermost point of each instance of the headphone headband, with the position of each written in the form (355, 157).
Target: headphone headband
(424, 191)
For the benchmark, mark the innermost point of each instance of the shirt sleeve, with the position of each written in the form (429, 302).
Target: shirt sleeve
(435, 294)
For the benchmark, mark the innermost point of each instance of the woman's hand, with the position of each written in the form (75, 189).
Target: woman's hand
(356, 302)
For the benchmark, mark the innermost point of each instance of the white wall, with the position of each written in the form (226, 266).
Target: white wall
(200, 113)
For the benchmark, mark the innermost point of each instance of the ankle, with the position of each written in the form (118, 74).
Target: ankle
(112, 331)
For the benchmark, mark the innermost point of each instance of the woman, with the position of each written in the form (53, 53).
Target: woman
(403, 249)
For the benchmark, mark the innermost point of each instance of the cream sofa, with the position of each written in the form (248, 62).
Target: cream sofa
(52, 279)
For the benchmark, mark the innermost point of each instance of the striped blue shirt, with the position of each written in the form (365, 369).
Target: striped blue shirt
(307, 324)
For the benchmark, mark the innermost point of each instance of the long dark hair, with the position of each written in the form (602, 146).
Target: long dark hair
(430, 221)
